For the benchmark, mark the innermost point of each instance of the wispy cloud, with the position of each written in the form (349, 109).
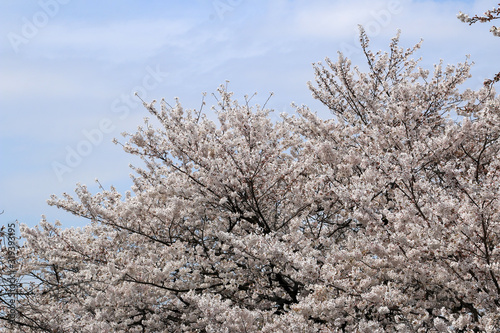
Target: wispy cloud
(117, 42)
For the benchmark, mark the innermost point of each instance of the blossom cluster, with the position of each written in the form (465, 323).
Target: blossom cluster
(463, 17)
(495, 31)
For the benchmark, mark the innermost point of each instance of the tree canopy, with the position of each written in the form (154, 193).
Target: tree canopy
(385, 217)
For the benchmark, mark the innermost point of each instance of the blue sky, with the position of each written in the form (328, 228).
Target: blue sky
(69, 70)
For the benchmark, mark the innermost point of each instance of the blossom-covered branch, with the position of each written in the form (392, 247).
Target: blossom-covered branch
(489, 15)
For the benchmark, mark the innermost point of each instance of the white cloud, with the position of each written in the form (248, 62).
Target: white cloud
(117, 42)
(335, 19)
(37, 81)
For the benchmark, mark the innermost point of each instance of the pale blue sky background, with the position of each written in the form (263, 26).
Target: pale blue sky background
(70, 67)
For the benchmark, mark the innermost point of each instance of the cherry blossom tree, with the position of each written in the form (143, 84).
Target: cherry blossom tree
(385, 217)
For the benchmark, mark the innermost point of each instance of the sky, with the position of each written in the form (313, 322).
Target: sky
(69, 70)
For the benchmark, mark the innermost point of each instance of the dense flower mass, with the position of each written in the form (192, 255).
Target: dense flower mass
(385, 218)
